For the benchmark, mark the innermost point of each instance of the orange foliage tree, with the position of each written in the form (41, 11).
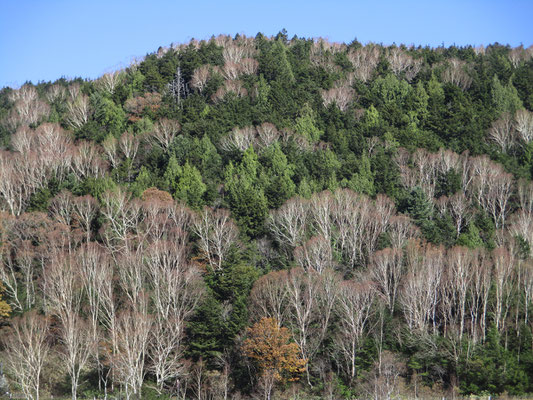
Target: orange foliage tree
(5, 309)
(269, 346)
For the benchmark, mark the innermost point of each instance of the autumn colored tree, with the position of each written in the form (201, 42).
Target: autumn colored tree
(269, 346)
(5, 309)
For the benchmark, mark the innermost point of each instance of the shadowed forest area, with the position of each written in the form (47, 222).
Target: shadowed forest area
(271, 218)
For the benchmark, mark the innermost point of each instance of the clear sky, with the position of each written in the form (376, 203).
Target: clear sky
(48, 39)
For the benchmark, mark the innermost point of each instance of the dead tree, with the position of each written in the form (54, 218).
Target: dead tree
(177, 88)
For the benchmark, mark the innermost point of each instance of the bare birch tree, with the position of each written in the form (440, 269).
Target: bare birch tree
(386, 270)
(26, 350)
(364, 60)
(456, 73)
(354, 310)
(79, 111)
(504, 281)
(217, 233)
(200, 77)
(133, 333)
(523, 124)
(501, 132)
(165, 131)
(314, 255)
(269, 297)
(400, 230)
(63, 296)
(288, 223)
(176, 290)
(341, 97)
(419, 294)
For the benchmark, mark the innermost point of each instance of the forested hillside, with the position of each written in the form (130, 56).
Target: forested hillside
(270, 217)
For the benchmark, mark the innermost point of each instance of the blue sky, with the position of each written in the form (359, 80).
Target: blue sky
(47, 39)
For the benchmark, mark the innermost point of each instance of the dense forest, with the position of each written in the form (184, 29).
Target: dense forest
(271, 218)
